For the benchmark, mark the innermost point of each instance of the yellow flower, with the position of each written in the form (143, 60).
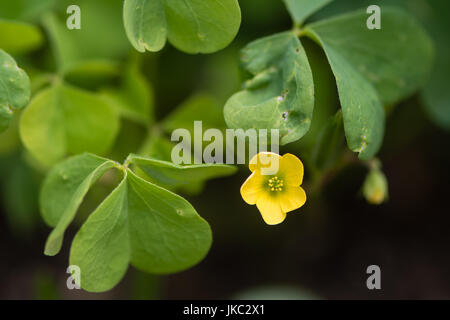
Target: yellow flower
(274, 185)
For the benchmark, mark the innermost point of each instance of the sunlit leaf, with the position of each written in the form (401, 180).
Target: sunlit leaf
(65, 120)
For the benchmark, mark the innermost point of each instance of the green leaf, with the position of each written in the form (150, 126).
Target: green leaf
(27, 10)
(65, 120)
(139, 222)
(281, 93)
(192, 26)
(18, 37)
(172, 175)
(100, 38)
(372, 67)
(362, 110)
(300, 10)
(93, 74)
(383, 57)
(14, 89)
(167, 234)
(134, 98)
(63, 191)
(101, 248)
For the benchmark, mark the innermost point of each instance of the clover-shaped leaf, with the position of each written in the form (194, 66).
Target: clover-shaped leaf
(141, 223)
(192, 26)
(281, 93)
(14, 89)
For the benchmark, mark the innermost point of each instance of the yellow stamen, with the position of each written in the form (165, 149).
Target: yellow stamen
(275, 184)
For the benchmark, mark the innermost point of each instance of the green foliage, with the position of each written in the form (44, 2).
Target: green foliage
(101, 247)
(19, 37)
(198, 107)
(371, 67)
(90, 94)
(193, 26)
(24, 10)
(174, 176)
(14, 89)
(64, 190)
(281, 93)
(302, 9)
(140, 223)
(134, 97)
(363, 84)
(383, 57)
(436, 93)
(65, 120)
(101, 37)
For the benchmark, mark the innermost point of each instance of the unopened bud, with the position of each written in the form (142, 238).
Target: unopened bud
(375, 187)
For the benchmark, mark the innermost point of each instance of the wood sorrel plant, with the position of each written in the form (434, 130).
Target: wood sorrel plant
(75, 112)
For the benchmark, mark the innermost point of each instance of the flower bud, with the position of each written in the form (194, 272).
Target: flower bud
(375, 187)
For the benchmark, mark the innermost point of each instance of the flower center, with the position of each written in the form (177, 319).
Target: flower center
(275, 184)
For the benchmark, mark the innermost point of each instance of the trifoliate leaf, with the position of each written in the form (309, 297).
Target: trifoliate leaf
(140, 223)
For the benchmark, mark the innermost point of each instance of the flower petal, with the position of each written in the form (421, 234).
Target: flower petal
(270, 209)
(267, 162)
(293, 198)
(291, 168)
(252, 187)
